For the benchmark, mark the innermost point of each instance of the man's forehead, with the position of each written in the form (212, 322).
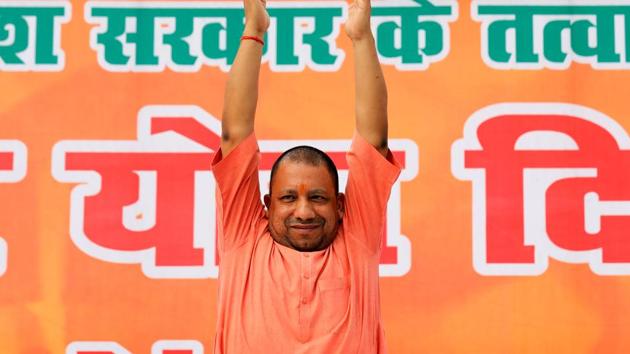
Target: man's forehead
(292, 172)
(293, 164)
(302, 188)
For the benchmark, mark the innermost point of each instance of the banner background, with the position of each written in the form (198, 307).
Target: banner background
(53, 294)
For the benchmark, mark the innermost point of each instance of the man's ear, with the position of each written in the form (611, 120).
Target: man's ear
(267, 200)
(341, 205)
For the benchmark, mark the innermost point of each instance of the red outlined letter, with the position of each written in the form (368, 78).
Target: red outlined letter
(149, 201)
(549, 180)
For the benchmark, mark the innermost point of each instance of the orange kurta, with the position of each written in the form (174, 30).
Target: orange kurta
(274, 299)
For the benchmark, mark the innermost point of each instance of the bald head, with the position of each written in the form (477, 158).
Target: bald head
(310, 156)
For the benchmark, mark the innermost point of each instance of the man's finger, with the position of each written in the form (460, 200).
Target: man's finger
(253, 2)
(365, 4)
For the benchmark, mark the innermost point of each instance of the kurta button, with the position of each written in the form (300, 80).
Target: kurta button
(306, 276)
(304, 301)
(306, 255)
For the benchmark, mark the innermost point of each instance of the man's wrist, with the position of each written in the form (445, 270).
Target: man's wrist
(253, 38)
(250, 32)
(367, 39)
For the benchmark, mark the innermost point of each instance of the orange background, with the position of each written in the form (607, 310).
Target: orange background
(53, 294)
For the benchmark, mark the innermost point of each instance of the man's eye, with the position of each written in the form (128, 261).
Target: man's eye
(318, 197)
(287, 198)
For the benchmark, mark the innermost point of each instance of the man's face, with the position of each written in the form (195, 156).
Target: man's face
(304, 210)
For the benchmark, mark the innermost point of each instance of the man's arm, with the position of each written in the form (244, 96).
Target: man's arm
(241, 92)
(371, 92)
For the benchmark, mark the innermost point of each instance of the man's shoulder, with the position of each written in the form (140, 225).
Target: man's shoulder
(245, 150)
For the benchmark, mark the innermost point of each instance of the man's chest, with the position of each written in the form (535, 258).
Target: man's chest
(305, 295)
(310, 292)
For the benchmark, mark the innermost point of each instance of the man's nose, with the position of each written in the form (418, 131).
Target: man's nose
(304, 210)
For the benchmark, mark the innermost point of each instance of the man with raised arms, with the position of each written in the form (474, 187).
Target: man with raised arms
(301, 275)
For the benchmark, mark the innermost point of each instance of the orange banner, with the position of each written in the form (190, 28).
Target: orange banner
(507, 232)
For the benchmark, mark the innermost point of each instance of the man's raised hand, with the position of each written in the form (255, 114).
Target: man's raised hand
(241, 89)
(256, 17)
(370, 88)
(358, 24)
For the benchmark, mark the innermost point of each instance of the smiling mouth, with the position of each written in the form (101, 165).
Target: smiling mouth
(305, 226)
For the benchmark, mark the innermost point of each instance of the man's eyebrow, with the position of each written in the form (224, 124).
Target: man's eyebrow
(310, 192)
(288, 190)
(317, 191)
